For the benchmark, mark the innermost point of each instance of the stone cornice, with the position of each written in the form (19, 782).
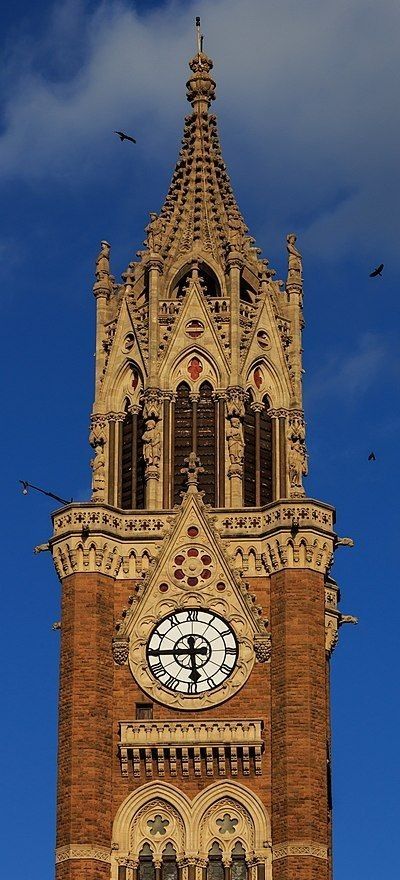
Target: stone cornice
(286, 534)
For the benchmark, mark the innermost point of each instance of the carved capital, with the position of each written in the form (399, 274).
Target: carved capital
(152, 403)
(115, 416)
(235, 398)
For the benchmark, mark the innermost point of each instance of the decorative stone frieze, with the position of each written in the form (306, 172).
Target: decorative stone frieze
(83, 851)
(299, 848)
(285, 534)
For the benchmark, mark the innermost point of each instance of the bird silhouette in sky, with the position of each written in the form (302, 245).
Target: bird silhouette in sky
(377, 271)
(372, 456)
(125, 137)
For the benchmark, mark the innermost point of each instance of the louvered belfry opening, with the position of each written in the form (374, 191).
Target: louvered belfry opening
(257, 455)
(249, 464)
(195, 431)
(206, 446)
(265, 454)
(131, 484)
(182, 437)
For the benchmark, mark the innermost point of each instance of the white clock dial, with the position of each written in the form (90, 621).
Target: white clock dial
(192, 651)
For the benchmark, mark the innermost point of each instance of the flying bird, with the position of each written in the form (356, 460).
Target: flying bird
(372, 456)
(377, 271)
(125, 137)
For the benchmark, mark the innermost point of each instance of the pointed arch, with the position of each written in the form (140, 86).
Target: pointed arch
(195, 431)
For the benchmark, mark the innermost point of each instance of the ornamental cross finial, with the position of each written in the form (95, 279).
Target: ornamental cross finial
(192, 472)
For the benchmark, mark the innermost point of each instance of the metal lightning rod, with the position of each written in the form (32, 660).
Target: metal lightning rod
(25, 486)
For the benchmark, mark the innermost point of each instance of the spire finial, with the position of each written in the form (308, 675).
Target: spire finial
(201, 88)
(199, 36)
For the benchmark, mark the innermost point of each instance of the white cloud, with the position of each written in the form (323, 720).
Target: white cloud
(350, 375)
(307, 104)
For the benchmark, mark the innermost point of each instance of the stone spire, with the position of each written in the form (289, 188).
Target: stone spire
(200, 210)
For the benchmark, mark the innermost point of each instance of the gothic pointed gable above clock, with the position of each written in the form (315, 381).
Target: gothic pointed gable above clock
(194, 624)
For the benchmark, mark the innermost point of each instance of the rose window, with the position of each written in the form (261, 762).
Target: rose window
(192, 566)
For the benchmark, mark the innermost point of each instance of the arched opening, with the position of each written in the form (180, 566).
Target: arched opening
(169, 865)
(182, 437)
(195, 431)
(215, 867)
(146, 868)
(258, 455)
(207, 278)
(265, 454)
(238, 867)
(131, 461)
(249, 463)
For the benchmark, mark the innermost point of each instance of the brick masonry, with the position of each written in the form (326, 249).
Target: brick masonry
(289, 695)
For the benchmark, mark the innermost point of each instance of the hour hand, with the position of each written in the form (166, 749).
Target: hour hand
(194, 675)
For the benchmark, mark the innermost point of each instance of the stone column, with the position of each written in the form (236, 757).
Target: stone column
(155, 266)
(115, 420)
(101, 294)
(234, 263)
(235, 396)
(152, 446)
(275, 455)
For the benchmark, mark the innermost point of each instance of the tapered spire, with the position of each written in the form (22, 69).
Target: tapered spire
(200, 209)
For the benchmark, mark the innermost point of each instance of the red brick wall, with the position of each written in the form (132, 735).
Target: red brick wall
(299, 719)
(289, 695)
(85, 717)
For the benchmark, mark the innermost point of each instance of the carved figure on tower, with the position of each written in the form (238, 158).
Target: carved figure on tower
(295, 269)
(103, 261)
(152, 444)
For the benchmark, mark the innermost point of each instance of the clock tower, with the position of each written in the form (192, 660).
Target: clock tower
(198, 612)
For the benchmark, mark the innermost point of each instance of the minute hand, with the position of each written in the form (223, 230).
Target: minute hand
(201, 651)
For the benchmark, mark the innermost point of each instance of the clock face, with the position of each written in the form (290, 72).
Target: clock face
(192, 651)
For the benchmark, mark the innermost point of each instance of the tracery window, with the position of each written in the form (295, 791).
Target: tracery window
(195, 430)
(257, 427)
(131, 467)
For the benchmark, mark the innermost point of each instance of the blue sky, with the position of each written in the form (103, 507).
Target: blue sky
(309, 122)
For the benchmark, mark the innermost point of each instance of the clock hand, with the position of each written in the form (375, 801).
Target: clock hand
(157, 653)
(194, 675)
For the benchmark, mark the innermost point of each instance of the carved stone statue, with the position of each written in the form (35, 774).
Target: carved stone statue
(155, 231)
(235, 228)
(99, 474)
(152, 444)
(103, 261)
(297, 465)
(295, 269)
(235, 439)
